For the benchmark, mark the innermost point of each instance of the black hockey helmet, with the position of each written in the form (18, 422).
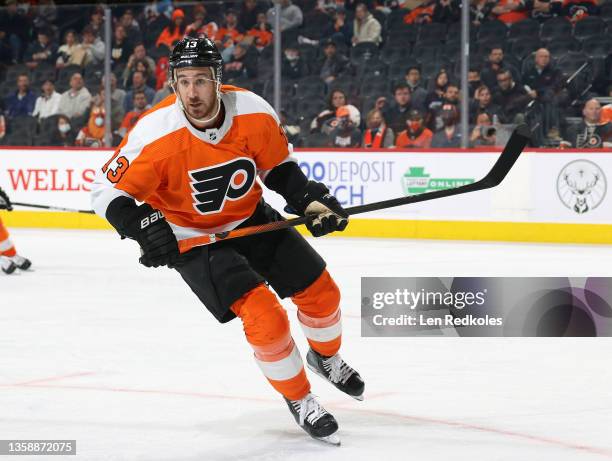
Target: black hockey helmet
(195, 52)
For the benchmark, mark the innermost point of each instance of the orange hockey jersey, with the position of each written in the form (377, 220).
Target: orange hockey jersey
(203, 181)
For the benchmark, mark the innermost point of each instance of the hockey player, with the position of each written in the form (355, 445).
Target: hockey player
(193, 160)
(9, 259)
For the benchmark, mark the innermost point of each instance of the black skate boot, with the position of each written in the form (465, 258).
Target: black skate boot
(22, 263)
(314, 419)
(8, 266)
(336, 371)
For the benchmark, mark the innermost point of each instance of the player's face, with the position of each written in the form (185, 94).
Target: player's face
(196, 88)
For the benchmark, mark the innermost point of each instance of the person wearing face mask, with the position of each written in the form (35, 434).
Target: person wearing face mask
(293, 65)
(345, 132)
(377, 134)
(63, 135)
(92, 135)
(416, 134)
(449, 136)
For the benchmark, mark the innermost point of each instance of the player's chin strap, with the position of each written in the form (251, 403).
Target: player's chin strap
(218, 101)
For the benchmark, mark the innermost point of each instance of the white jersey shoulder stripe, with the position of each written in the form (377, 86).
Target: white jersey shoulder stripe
(157, 124)
(248, 102)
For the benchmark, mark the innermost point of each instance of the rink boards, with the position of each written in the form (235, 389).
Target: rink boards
(549, 196)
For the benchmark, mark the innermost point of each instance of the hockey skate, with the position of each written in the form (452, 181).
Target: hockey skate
(314, 419)
(8, 266)
(22, 263)
(336, 371)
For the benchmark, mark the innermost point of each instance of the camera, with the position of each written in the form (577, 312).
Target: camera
(487, 131)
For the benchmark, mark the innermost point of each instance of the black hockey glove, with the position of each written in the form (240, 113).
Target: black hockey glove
(5, 202)
(153, 233)
(325, 213)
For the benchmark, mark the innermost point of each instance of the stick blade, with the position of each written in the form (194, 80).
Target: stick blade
(514, 147)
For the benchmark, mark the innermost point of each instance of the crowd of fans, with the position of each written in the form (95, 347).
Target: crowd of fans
(356, 73)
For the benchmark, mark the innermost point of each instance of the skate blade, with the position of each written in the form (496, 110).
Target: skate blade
(316, 372)
(332, 439)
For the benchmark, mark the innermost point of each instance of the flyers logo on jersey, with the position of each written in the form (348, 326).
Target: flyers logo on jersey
(212, 186)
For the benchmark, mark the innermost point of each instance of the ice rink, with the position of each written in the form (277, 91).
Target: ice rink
(124, 359)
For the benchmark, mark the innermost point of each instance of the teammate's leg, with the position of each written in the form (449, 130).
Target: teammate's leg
(9, 259)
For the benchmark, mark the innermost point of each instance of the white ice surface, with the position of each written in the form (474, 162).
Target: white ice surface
(124, 359)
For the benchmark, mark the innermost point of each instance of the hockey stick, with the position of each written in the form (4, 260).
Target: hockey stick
(517, 142)
(54, 208)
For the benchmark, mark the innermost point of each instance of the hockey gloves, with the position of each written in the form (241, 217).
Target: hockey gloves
(153, 233)
(325, 213)
(5, 202)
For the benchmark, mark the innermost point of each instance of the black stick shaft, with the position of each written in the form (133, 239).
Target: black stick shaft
(54, 208)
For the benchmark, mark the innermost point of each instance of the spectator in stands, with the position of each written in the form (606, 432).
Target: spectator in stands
(446, 11)
(47, 104)
(511, 98)
(92, 135)
(42, 51)
(175, 31)
(70, 53)
(510, 11)
(16, 27)
(480, 11)
(337, 98)
(261, 32)
(495, 63)
(22, 101)
(162, 93)
(542, 83)
(418, 94)
(230, 33)
(142, 65)
(484, 133)
(291, 128)
(248, 14)
(293, 65)
(421, 13)
(153, 24)
(96, 22)
(241, 64)
(130, 26)
(340, 30)
(397, 112)
(345, 133)
(93, 46)
(573, 10)
(590, 133)
(437, 89)
(117, 102)
(450, 99)
(474, 81)
(75, 101)
(366, 27)
(130, 119)
(138, 84)
(122, 47)
(64, 134)
(483, 104)
(450, 135)
(416, 133)
(291, 15)
(202, 25)
(46, 14)
(333, 63)
(377, 134)
(2, 125)
(6, 53)
(139, 54)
